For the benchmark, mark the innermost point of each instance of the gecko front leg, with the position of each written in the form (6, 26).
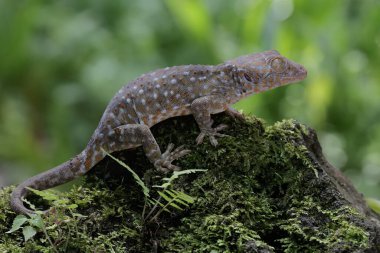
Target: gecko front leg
(202, 108)
(232, 112)
(136, 134)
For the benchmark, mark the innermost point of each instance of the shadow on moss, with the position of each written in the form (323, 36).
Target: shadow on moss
(266, 189)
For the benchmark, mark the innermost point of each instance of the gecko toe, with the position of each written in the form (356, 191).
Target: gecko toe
(211, 133)
(213, 141)
(168, 149)
(200, 138)
(164, 164)
(178, 153)
(220, 127)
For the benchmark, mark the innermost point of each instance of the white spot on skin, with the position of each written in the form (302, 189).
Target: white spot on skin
(164, 76)
(171, 92)
(155, 79)
(165, 93)
(173, 81)
(164, 111)
(83, 168)
(175, 107)
(155, 95)
(205, 87)
(158, 86)
(186, 73)
(141, 91)
(143, 101)
(128, 100)
(135, 87)
(222, 73)
(192, 79)
(202, 78)
(177, 95)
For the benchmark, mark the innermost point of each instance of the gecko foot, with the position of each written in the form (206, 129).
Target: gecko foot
(211, 133)
(164, 163)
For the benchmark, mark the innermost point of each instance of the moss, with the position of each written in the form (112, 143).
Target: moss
(264, 191)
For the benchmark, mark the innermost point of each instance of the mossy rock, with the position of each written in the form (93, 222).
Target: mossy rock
(266, 189)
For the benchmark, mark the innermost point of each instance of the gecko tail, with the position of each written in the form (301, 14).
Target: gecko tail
(61, 174)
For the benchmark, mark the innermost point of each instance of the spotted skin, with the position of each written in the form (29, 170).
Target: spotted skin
(153, 97)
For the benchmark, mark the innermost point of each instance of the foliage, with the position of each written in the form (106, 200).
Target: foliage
(259, 194)
(170, 197)
(374, 204)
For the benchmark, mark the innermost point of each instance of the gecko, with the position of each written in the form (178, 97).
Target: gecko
(199, 90)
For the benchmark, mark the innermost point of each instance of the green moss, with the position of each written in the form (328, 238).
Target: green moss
(262, 192)
(311, 228)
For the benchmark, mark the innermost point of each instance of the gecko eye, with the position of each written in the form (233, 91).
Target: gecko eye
(247, 77)
(278, 64)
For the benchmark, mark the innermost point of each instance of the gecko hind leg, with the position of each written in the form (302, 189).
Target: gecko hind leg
(136, 134)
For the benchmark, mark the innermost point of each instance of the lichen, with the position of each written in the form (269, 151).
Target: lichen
(261, 193)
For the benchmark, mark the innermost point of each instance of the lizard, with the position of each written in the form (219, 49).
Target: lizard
(199, 90)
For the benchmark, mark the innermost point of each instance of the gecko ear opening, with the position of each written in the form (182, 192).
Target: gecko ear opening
(250, 77)
(247, 77)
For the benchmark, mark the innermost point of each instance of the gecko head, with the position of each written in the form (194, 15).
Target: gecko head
(263, 71)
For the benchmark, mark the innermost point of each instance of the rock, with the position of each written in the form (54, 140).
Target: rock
(266, 189)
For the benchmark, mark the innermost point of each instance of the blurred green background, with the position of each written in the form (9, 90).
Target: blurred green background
(62, 61)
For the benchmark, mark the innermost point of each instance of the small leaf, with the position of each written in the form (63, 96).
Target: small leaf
(164, 196)
(28, 232)
(181, 202)
(17, 223)
(37, 221)
(176, 206)
(158, 203)
(79, 215)
(33, 207)
(175, 175)
(72, 206)
(46, 195)
(61, 202)
(185, 197)
(172, 193)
